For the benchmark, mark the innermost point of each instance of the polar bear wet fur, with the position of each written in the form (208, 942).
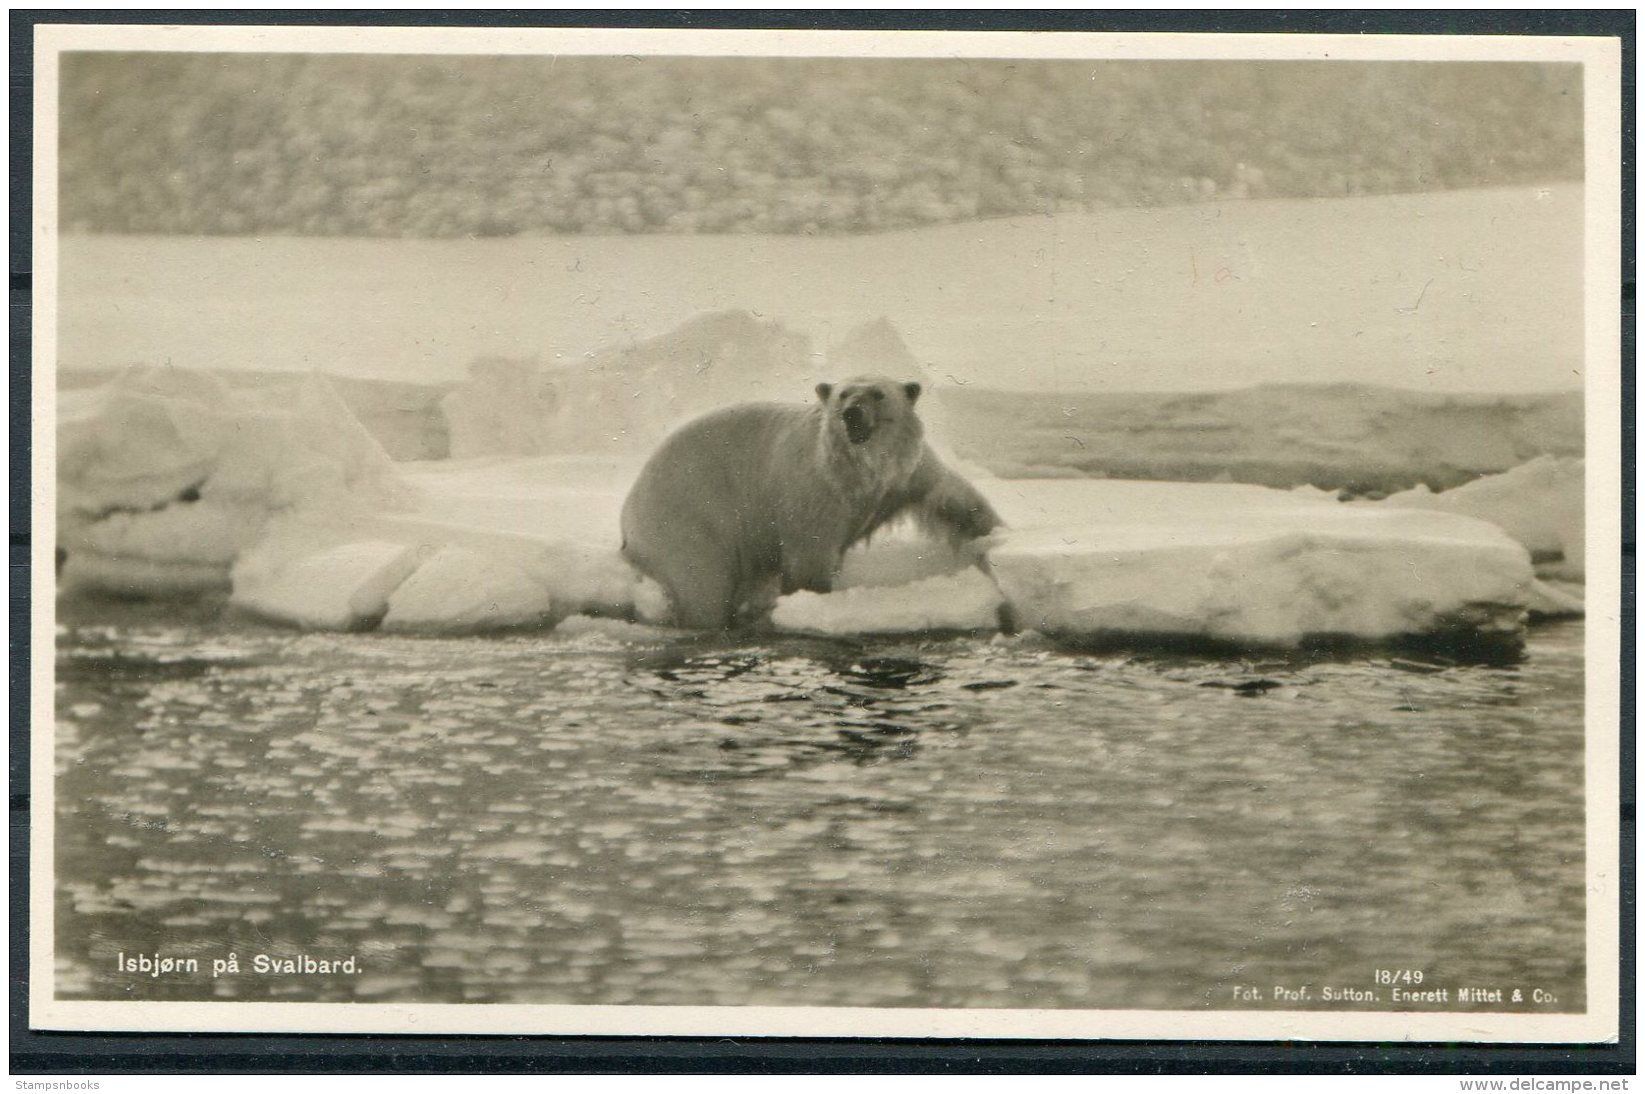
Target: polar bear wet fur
(762, 499)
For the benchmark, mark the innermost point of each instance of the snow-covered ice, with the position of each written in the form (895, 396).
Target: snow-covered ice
(164, 476)
(1085, 558)
(1248, 565)
(504, 406)
(1540, 503)
(964, 601)
(461, 589)
(344, 586)
(625, 398)
(551, 519)
(169, 481)
(439, 578)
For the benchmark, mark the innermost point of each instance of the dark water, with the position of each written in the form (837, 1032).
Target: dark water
(935, 822)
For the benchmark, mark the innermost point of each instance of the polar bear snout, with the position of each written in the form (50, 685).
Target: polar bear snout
(860, 420)
(863, 407)
(861, 410)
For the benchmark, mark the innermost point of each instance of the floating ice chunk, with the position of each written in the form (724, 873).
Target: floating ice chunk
(187, 532)
(1539, 503)
(651, 603)
(458, 590)
(965, 601)
(1556, 598)
(131, 576)
(1241, 563)
(1261, 567)
(164, 476)
(579, 575)
(338, 587)
(314, 542)
(466, 579)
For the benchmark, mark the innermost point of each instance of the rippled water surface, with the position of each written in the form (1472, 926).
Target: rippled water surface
(589, 818)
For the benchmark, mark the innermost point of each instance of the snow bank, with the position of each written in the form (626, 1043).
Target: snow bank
(1249, 565)
(164, 476)
(1540, 504)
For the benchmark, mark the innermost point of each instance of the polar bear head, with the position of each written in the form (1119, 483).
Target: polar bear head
(871, 412)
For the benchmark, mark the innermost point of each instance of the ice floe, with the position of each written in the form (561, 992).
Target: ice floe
(1540, 504)
(461, 589)
(170, 481)
(1248, 565)
(344, 586)
(165, 476)
(964, 601)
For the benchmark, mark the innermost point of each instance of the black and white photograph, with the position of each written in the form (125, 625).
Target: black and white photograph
(752, 532)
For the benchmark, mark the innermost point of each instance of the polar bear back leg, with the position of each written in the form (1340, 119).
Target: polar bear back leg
(703, 591)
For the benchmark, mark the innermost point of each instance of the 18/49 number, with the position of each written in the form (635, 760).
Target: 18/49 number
(1399, 976)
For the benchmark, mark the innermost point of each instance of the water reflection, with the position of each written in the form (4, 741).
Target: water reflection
(950, 822)
(788, 706)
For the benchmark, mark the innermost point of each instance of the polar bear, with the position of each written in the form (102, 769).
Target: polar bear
(762, 499)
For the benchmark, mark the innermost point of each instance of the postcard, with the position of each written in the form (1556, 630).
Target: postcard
(828, 533)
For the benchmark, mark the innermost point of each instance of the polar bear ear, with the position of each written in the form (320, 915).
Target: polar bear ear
(824, 390)
(912, 390)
